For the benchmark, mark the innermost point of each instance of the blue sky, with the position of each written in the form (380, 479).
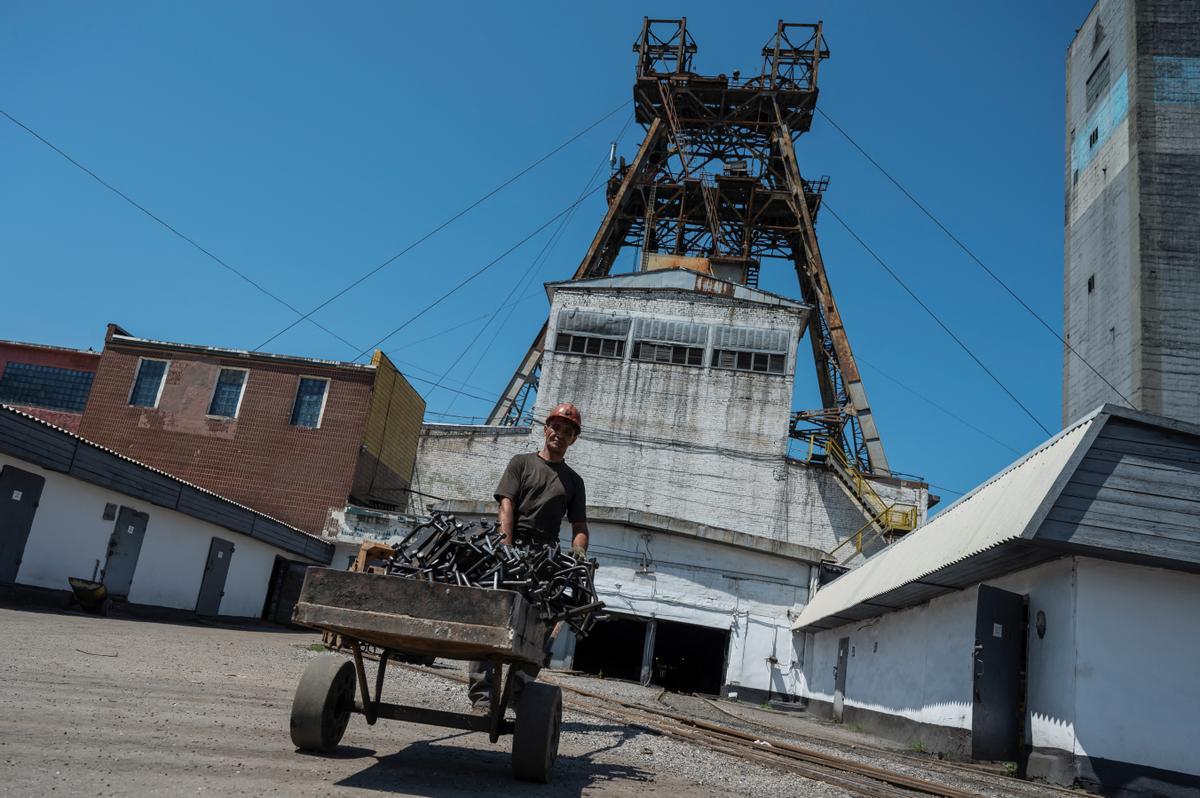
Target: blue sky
(305, 144)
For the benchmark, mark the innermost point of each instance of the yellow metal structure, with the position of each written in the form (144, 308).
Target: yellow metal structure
(886, 520)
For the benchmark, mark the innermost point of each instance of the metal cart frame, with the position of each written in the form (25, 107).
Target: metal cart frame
(411, 617)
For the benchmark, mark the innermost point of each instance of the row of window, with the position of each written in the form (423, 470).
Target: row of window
(230, 387)
(45, 386)
(678, 342)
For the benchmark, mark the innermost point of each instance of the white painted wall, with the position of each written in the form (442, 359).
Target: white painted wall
(1114, 677)
(916, 663)
(1137, 689)
(70, 535)
(697, 443)
(700, 582)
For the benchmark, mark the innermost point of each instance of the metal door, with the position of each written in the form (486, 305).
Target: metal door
(839, 678)
(123, 549)
(998, 655)
(19, 495)
(212, 587)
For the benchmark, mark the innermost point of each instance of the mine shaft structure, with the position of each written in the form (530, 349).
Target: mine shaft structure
(716, 182)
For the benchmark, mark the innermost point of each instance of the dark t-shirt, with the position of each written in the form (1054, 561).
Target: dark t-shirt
(541, 493)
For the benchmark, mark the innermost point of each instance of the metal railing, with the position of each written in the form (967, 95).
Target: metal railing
(886, 519)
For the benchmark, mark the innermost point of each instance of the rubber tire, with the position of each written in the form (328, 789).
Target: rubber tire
(323, 703)
(535, 738)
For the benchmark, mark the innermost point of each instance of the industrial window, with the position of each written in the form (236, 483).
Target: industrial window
(747, 349)
(586, 345)
(1097, 82)
(227, 395)
(1094, 137)
(669, 353)
(147, 385)
(586, 332)
(681, 343)
(1091, 283)
(45, 386)
(310, 402)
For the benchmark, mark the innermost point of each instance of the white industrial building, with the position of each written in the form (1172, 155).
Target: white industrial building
(1051, 616)
(708, 534)
(71, 508)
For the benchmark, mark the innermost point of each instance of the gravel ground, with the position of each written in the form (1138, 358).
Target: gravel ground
(110, 706)
(821, 736)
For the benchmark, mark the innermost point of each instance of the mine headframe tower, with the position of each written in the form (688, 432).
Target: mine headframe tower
(716, 178)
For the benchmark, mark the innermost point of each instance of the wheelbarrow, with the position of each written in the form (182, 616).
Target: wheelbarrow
(92, 596)
(401, 616)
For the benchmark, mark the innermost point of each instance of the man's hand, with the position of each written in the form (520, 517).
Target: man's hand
(579, 553)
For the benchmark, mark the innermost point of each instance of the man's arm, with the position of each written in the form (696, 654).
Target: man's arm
(577, 514)
(579, 535)
(505, 495)
(508, 520)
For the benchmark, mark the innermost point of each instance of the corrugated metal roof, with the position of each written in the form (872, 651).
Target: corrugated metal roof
(680, 280)
(592, 322)
(998, 511)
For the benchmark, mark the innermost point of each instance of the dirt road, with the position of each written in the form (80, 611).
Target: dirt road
(105, 706)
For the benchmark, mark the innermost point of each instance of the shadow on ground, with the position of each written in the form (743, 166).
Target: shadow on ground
(445, 767)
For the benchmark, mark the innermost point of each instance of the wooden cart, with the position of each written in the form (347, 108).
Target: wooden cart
(408, 616)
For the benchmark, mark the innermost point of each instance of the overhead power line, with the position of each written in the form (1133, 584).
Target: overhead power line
(444, 224)
(945, 328)
(476, 273)
(258, 286)
(541, 257)
(169, 227)
(934, 404)
(970, 254)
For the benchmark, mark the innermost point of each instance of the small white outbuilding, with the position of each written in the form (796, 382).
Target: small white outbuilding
(71, 508)
(1050, 617)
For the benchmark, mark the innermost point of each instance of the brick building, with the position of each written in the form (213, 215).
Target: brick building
(289, 436)
(49, 382)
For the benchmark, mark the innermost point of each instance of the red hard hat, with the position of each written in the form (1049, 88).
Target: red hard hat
(569, 413)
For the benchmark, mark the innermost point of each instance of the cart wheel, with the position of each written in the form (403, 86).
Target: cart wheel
(535, 739)
(323, 702)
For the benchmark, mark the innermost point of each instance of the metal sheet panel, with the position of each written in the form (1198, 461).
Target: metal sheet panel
(210, 507)
(124, 548)
(671, 331)
(20, 492)
(212, 586)
(751, 339)
(674, 279)
(999, 510)
(593, 322)
(36, 442)
(100, 467)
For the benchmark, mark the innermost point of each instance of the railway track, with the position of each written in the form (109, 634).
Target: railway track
(855, 777)
(993, 773)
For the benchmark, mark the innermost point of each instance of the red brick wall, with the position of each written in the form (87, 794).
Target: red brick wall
(258, 459)
(49, 356)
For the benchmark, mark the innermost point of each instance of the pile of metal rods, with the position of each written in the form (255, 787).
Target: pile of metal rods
(560, 587)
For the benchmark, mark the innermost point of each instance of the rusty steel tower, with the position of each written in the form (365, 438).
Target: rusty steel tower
(716, 181)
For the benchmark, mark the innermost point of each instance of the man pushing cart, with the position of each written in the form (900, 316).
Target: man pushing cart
(477, 593)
